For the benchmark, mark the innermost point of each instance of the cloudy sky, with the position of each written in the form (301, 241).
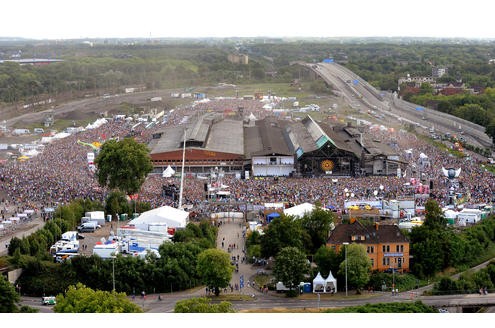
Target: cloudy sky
(65, 19)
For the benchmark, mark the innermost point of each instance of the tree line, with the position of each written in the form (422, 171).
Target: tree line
(174, 270)
(110, 68)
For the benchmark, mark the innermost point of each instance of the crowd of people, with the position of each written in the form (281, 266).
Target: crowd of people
(60, 173)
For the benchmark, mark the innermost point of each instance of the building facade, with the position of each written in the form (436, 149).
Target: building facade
(386, 246)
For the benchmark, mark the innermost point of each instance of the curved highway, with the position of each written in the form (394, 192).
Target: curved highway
(356, 90)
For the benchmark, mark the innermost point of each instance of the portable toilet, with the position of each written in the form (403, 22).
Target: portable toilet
(307, 287)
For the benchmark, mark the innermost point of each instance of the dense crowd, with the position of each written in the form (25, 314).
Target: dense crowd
(60, 173)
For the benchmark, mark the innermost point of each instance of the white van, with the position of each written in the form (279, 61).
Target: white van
(48, 300)
(38, 130)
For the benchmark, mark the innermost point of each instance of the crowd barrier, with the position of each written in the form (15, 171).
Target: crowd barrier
(227, 215)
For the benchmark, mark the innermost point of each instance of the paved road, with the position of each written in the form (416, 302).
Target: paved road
(355, 89)
(230, 232)
(22, 230)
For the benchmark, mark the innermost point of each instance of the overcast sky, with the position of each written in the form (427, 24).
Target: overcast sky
(66, 19)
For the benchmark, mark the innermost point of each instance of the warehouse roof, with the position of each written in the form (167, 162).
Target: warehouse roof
(207, 131)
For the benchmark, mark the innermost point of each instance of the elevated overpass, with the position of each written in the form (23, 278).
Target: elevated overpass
(354, 90)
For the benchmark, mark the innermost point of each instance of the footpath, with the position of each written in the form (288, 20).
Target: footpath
(231, 238)
(230, 233)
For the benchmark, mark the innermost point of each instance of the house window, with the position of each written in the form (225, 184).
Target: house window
(372, 249)
(388, 248)
(397, 248)
(383, 248)
(384, 261)
(402, 248)
(372, 262)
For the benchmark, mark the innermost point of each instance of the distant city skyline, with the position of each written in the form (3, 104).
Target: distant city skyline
(61, 19)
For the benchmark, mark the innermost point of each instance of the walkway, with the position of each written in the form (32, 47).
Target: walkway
(231, 233)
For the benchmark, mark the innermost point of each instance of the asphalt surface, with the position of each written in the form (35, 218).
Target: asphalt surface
(230, 232)
(21, 230)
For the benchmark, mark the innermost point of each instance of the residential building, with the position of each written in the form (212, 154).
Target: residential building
(437, 72)
(238, 59)
(386, 246)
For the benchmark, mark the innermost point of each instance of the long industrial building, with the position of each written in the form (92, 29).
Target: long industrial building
(271, 147)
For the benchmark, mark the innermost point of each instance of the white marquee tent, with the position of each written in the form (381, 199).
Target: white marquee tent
(172, 217)
(330, 284)
(318, 284)
(300, 210)
(168, 172)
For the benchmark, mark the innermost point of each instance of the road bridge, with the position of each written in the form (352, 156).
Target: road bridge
(355, 89)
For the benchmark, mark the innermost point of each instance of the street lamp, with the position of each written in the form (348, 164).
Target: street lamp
(345, 248)
(393, 277)
(113, 270)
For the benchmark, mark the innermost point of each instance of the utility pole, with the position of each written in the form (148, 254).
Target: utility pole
(345, 246)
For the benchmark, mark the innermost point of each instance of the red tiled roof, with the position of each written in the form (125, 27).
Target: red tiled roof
(375, 234)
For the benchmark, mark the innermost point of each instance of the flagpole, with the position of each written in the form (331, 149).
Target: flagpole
(182, 174)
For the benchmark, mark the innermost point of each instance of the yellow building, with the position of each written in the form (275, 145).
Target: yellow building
(238, 59)
(386, 246)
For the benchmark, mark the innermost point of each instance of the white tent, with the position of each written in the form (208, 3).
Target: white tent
(174, 218)
(96, 124)
(318, 284)
(330, 284)
(61, 135)
(299, 210)
(45, 140)
(450, 214)
(168, 172)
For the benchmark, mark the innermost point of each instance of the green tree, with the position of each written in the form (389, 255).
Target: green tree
(317, 225)
(426, 88)
(81, 299)
(291, 266)
(434, 216)
(327, 259)
(358, 266)
(8, 296)
(281, 232)
(215, 269)
(427, 251)
(123, 165)
(431, 242)
(202, 305)
(116, 203)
